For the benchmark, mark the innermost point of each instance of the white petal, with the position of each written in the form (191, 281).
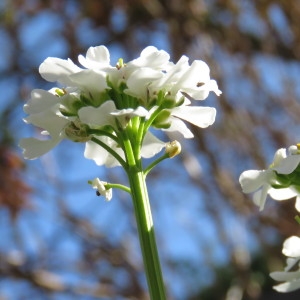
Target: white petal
(171, 76)
(151, 145)
(293, 150)
(139, 80)
(288, 164)
(285, 276)
(260, 196)
(287, 286)
(199, 116)
(212, 86)
(252, 180)
(99, 116)
(202, 92)
(139, 111)
(40, 100)
(33, 148)
(178, 125)
(49, 121)
(151, 57)
(198, 72)
(297, 205)
(95, 152)
(91, 80)
(291, 247)
(96, 57)
(282, 194)
(291, 262)
(56, 69)
(279, 156)
(100, 155)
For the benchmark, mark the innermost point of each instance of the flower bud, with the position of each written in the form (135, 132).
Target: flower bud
(173, 148)
(77, 131)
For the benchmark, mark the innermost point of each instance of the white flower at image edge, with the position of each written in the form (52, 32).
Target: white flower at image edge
(291, 248)
(260, 182)
(99, 185)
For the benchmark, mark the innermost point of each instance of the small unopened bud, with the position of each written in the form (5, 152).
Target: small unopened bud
(173, 148)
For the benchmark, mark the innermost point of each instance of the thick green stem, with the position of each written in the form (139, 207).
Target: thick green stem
(146, 234)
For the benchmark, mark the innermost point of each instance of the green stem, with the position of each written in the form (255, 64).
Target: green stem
(154, 163)
(118, 186)
(151, 119)
(146, 235)
(127, 147)
(101, 132)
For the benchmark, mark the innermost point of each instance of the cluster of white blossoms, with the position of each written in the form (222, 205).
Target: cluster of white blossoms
(281, 181)
(98, 101)
(291, 274)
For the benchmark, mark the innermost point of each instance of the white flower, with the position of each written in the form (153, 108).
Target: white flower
(181, 79)
(291, 248)
(43, 108)
(99, 100)
(101, 189)
(196, 82)
(266, 182)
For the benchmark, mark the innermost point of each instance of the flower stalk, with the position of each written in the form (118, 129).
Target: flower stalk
(146, 233)
(142, 210)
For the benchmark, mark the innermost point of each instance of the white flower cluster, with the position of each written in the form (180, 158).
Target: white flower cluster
(281, 181)
(99, 100)
(291, 273)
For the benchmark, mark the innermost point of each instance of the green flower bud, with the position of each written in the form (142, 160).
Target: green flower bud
(161, 121)
(77, 131)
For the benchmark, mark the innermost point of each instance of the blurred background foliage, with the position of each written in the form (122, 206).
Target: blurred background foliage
(60, 241)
